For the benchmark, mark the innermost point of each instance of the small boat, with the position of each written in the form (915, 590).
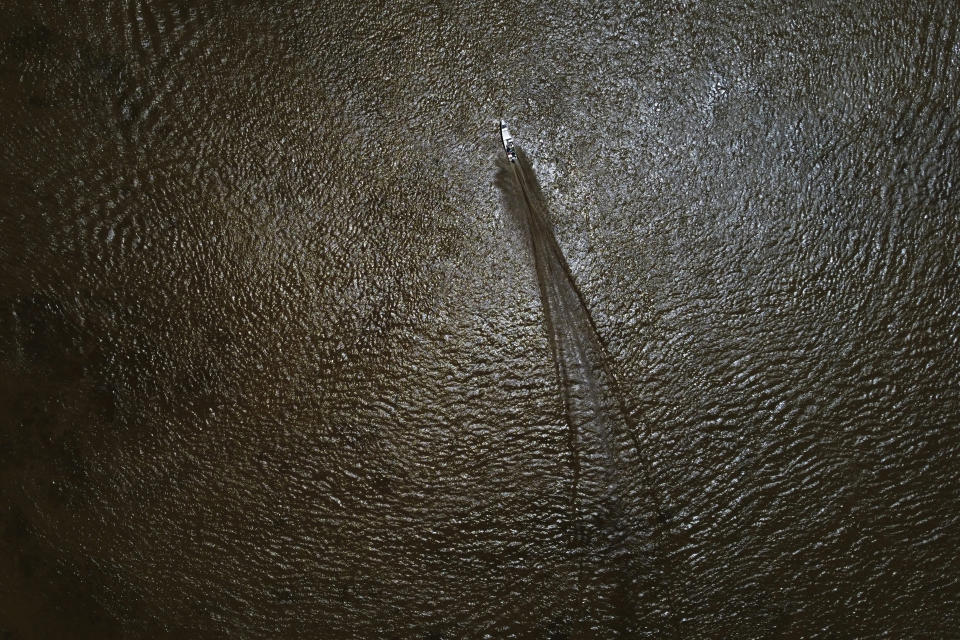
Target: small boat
(507, 142)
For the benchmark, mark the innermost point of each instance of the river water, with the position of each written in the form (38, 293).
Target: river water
(282, 356)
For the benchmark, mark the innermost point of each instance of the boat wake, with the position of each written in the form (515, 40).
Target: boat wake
(612, 513)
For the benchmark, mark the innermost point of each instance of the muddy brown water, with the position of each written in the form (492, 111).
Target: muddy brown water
(279, 357)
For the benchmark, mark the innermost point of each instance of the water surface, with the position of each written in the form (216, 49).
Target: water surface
(274, 356)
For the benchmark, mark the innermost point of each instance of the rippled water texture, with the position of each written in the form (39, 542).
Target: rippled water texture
(284, 353)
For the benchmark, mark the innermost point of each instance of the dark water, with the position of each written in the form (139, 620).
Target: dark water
(279, 359)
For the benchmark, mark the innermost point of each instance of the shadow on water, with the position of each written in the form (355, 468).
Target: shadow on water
(614, 531)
